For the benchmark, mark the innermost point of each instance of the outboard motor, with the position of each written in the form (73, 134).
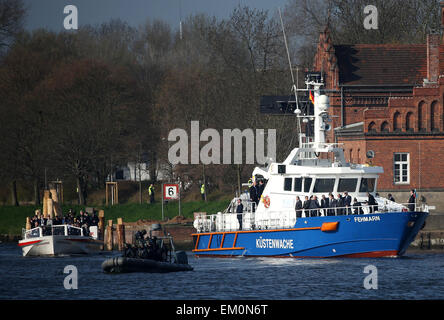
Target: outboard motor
(181, 257)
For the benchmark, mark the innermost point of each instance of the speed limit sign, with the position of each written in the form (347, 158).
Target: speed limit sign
(170, 191)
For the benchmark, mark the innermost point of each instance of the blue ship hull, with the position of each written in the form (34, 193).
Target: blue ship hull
(370, 235)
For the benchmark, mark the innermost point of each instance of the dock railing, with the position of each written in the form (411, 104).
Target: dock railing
(269, 220)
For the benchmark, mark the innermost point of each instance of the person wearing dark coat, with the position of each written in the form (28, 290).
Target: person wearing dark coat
(306, 206)
(347, 202)
(298, 207)
(412, 200)
(260, 189)
(314, 206)
(357, 207)
(254, 193)
(239, 211)
(325, 204)
(332, 205)
(390, 197)
(373, 205)
(339, 205)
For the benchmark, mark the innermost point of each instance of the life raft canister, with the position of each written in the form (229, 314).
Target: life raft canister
(266, 201)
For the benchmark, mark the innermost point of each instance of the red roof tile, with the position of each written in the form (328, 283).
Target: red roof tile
(373, 64)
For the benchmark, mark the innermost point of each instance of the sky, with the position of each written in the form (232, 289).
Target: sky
(49, 14)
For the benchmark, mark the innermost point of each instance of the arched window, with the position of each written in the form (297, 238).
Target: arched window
(434, 117)
(421, 116)
(385, 126)
(397, 121)
(372, 127)
(409, 121)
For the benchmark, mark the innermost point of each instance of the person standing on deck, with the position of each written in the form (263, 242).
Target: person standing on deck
(347, 202)
(373, 205)
(306, 206)
(239, 211)
(332, 205)
(325, 204)
(412, 200)
(260, 189)
(298, 207)
(254, 193)
(314, 206)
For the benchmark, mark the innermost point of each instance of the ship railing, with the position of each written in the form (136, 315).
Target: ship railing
(362, 209)
(52, 230)
(269, 220)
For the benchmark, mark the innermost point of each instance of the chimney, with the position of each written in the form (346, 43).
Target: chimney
(433, 41)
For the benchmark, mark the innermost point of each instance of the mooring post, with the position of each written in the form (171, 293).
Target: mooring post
(109, 236)
(101, 224)
(120, 234)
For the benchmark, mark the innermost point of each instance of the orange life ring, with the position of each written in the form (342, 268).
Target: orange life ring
(267, 201)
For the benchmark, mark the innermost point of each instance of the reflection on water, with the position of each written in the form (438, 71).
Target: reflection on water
(416, 276)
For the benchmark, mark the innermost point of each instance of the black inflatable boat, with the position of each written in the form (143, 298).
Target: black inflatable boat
(149, 254)
(123, 264)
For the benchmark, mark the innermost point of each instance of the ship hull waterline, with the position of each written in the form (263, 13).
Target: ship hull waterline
(366, 236)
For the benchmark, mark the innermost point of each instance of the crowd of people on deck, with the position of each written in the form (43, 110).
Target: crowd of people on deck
(342, 204)
(83, 220)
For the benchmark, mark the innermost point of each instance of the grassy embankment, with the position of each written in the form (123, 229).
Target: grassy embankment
(12, 219)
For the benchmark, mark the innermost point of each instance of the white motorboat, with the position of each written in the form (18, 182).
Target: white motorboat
(59, 240)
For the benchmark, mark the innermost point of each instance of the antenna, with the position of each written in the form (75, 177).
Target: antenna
(180, 19)
(294, 87)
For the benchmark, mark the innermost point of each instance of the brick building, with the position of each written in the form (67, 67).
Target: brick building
(389, 98)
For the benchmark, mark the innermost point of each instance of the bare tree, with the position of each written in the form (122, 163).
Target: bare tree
(12, 13)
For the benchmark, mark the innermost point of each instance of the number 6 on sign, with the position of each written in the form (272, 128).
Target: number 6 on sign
(170, 191)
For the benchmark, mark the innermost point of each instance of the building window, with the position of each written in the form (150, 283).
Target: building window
(401, 168)
(434, 117)
(287, 184)
(397, 121)
(409, 121)
(421, 116)
(385, 126)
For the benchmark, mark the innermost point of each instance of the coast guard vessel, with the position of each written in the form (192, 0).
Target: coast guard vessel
(274, 228)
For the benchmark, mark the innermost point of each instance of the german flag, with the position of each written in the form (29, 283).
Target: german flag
(311, 97)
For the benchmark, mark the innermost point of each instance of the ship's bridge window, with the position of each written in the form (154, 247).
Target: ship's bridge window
(347, 185)
(297, 184)
(367, 185)
(287, 184)
(307, 184)
(324, 185)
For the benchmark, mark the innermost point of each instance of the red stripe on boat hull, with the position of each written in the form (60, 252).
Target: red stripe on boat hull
(28, 243)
